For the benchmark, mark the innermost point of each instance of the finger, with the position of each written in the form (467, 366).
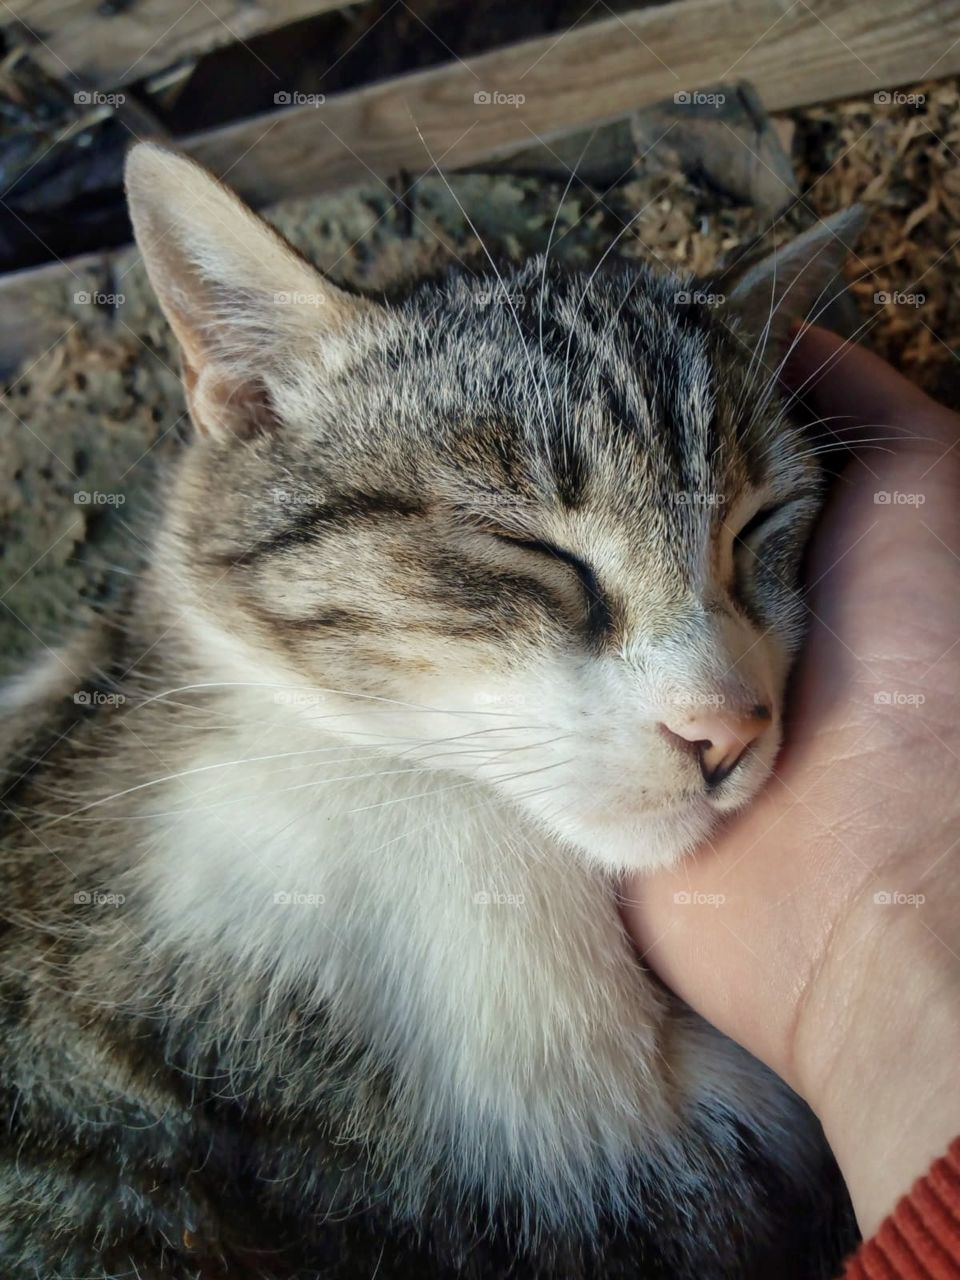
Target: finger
(855, 388)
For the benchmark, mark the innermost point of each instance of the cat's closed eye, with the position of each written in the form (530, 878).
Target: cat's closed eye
(598, 610)
(757, 522)
(776, 513)
(768, 546)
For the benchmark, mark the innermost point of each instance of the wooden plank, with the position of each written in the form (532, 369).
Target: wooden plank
(38, 307)
(590, 75)
(106, 45)
(793, 53)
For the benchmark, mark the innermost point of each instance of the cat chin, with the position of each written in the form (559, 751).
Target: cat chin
(659, 839)
(650, 842)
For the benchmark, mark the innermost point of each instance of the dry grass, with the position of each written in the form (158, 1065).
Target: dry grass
(904, 161)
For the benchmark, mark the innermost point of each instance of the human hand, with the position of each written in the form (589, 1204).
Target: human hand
(831, 949)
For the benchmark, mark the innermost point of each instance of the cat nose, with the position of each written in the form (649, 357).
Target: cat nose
(720, 739)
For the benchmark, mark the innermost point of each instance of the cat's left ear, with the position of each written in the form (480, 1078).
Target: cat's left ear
(795, 282)
(250, 315)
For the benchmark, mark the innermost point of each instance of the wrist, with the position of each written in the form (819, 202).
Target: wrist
(876, 1046)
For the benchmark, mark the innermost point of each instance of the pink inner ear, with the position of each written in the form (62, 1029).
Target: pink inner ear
(222, 403)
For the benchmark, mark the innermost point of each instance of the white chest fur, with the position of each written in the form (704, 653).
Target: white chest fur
(478, 960)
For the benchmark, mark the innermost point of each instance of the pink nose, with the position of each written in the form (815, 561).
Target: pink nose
(720, 739)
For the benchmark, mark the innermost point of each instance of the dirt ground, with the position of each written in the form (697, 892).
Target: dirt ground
(87, 427)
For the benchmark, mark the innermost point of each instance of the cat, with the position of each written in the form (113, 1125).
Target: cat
(458, 608)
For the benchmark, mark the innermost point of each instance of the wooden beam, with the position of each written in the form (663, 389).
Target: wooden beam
(593, 74)
(40, 305)
(104, 45)
(793, 53)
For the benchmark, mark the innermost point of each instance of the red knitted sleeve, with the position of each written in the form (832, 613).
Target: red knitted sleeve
(920, 1240)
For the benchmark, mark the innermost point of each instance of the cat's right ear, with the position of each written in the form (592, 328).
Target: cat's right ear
(251, 316)
(796, 282)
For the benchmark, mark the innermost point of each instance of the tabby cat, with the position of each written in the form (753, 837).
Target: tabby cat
(459, 607)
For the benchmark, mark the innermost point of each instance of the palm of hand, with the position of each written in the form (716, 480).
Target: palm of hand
(855, 826)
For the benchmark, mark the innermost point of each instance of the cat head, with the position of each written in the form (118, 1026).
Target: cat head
(540, 530)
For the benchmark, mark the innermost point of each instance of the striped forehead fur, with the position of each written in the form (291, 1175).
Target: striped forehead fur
(536, 387)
